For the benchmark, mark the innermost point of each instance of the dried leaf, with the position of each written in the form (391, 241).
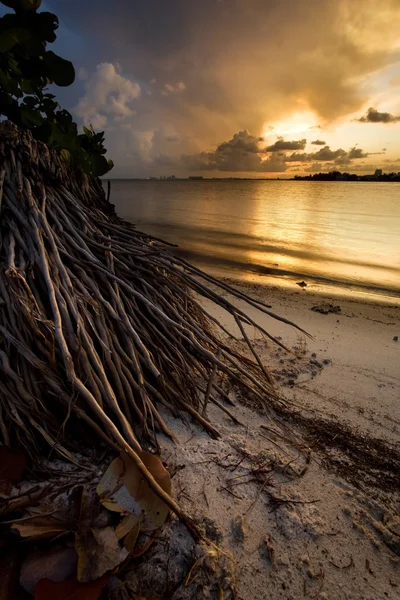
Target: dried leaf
(126, 525)
(123, 489)
(55, 564)
(131, 538)
(98, 552)
(70, 590)
(41, 526)
(143, 544)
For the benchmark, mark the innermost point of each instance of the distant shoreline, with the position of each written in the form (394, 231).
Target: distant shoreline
(361, 179)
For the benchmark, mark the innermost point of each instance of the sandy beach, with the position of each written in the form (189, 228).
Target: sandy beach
(304, 501)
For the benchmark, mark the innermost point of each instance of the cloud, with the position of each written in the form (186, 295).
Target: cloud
(173, 88)
(241, 141)
(284, 145)
(324, 154)
(318, 143)
(374, 116)
(108, 97)
(357, 153)
(240, 154)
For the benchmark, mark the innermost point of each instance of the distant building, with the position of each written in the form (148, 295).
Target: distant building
(378, 173)
(196, 177)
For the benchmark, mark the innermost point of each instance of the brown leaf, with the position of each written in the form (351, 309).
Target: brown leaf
(123, 489)
(143, 544)
(40, 526)
(55, 564)
(69, 590)
(98, 552)
(12, 464)
(131, 538)
(126, 525)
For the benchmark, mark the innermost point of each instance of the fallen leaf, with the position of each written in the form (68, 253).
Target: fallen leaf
(131, 538)
(40, 526)
(143, 544)
(98, 552)
(126, 525)
(123, 489)
(69, 590)
(56, 564)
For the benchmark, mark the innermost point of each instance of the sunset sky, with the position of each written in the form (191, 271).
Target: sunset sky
(259, 88)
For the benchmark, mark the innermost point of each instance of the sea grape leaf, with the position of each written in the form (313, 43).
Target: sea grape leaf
(59, 70)
(131, 537)
(99, 165)
(126, 525)
(39, 526)
(11, 37)
(123, 489)
(98, 552)
(70, 590)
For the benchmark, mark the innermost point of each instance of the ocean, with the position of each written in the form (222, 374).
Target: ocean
(338, 236)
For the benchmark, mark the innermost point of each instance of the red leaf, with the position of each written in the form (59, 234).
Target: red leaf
(70, 590)
(12, 464)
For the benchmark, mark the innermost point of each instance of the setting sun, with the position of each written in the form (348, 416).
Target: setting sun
(298, 122)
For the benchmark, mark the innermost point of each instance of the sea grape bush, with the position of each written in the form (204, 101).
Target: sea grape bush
(27, 67)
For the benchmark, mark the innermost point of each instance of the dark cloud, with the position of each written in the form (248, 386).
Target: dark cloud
(318, 143)
(357, 153)
(240, 154)
(285, 145)
(241, 141)
(325, 154)
(374, 116)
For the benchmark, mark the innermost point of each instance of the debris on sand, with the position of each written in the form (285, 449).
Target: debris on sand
(302, 284)
(325, 308)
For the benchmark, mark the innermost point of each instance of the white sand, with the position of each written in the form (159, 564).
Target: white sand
(337, 539)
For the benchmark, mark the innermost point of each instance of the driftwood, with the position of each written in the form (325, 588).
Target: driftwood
(99, 324)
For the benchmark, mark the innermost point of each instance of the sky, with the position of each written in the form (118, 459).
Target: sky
(219, 88)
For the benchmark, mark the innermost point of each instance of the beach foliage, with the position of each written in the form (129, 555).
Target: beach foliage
(27, 68)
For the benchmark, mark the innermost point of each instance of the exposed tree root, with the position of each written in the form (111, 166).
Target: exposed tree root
(99, 324)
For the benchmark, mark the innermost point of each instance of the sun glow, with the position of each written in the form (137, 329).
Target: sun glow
(297, 123)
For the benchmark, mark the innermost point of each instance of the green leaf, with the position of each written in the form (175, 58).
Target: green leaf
(59, 70)
(27, 87)
(30, 101)
(30, 116)
(87, 131)
(12, 37)
(45, 26)
(66, 156)
(99, 165)
(29, 5)
(13, 66)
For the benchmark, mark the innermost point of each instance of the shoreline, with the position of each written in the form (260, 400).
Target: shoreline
(361, 381)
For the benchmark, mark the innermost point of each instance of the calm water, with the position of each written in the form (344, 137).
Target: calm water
(340, 234)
